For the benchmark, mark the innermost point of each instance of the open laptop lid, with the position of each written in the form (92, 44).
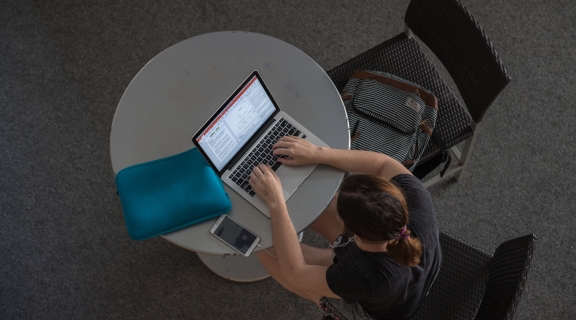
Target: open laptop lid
(236, 125)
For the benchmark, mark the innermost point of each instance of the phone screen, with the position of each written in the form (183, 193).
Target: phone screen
(235, 235)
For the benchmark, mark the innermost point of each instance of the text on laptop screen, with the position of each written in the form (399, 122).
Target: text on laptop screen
(236, 123)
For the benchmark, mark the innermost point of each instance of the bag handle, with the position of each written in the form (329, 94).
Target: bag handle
(427, 97)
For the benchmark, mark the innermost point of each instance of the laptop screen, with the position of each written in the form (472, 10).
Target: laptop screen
(236, 122)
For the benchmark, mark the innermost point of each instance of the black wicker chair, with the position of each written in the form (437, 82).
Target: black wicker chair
(457, 39)
(473, 284)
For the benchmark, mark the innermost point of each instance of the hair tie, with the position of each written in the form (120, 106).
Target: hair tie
(403, 234)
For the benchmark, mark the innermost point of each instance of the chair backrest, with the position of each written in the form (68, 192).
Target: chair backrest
(507, 278)
(459, 286)
(473, 284)
(456, 38)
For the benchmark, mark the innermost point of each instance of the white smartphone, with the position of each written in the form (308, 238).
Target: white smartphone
(235, 235)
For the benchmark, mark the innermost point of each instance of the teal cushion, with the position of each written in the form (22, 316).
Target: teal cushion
(168, 194)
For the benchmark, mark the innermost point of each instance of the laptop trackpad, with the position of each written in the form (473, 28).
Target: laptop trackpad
(292, 176)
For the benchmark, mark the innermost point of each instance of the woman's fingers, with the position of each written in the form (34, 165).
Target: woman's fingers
(281, 151)
(265, 169)
(285, 142)
(257, 172)
(289, 160)
(281, 144)
(273, 172)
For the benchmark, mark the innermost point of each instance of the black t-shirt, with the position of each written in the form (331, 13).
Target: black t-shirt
(385, 289)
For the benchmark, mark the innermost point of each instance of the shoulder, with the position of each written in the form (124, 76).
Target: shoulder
(414, 191)
(408, 182)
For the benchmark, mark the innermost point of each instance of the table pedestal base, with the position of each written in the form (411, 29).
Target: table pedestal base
(235, 268)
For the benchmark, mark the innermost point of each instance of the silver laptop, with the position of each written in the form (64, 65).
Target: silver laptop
(240, 136)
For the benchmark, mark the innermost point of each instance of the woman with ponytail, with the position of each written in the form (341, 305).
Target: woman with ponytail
(381, 224)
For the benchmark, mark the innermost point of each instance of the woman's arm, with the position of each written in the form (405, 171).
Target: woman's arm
(300, 152)
(308, 278)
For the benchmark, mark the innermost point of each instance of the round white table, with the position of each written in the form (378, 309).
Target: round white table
(179, 89)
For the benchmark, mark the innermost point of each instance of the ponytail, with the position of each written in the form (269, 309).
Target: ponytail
(405, 251)
(376, 211)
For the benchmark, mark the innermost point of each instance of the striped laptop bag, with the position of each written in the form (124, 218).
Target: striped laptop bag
(390, 115)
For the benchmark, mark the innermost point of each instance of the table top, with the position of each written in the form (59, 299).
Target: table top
(180, 88)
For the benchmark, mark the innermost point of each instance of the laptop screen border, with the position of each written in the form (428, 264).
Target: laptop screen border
(252, 139)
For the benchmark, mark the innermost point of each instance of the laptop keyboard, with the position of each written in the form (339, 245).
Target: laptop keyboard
(262, 153)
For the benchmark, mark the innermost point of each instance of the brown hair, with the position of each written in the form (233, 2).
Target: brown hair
(375, 210)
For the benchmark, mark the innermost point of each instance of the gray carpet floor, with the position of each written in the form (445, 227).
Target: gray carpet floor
(64, 249)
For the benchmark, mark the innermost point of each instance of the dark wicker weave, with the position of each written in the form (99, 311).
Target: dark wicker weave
(507, 278)
(473, 284)
(457, 39)
(459, 42)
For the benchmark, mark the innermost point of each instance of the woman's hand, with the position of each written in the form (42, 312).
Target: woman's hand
(298, 150)
(267, 185)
